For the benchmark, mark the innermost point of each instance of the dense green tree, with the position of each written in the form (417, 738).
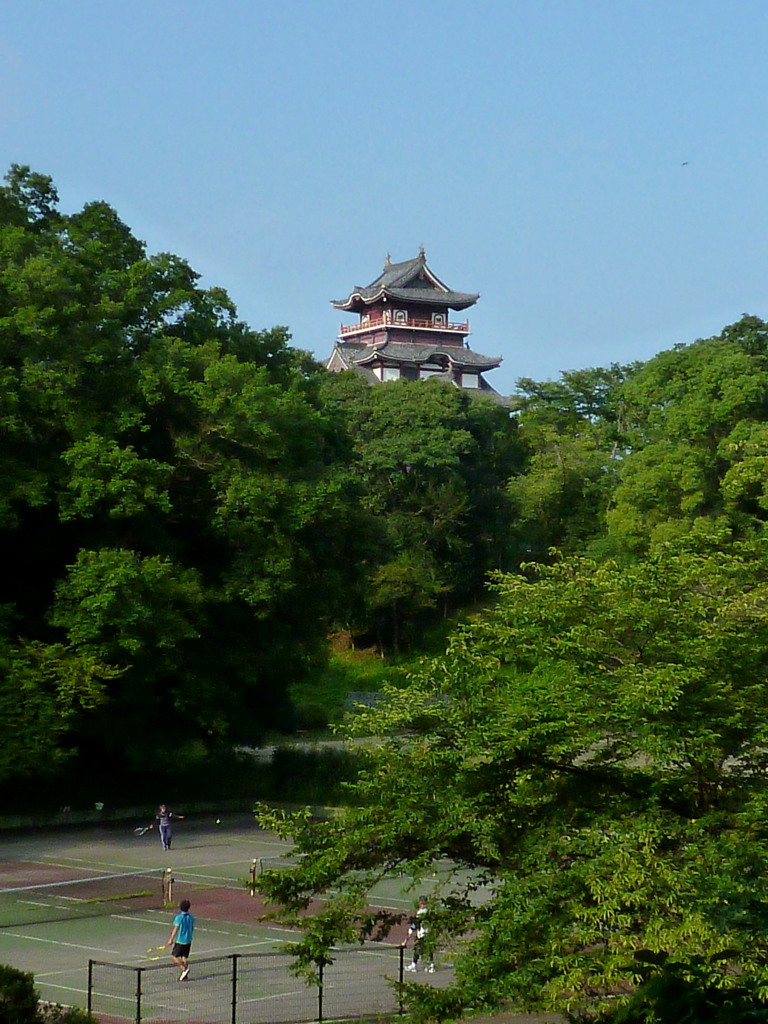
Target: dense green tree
(590, 757)
(696, 440)
(431, 463)
(171, 480)
(20, 1002)
(18, 996)
(573, 431)
(42, 689)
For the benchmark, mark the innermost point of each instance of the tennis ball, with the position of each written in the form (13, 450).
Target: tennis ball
(218, 821)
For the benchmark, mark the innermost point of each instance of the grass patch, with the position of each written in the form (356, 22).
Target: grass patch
(115, 899)
(321, 702)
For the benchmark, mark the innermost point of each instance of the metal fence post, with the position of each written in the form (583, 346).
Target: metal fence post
(400, 986)
(111, 982)
(235, 957)
(138, 995)
(320, 991)
(89, 1004)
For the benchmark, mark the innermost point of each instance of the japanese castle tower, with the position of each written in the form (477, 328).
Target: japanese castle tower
(404, 331)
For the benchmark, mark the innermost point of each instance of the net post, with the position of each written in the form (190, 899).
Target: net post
(235, 958)
(254, 866)
(89, 1001)
(168, 885)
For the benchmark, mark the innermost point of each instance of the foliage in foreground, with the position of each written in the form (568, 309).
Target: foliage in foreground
(591, 758)
(671, 992)
(20, 1002)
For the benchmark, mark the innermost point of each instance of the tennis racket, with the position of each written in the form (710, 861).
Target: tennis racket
(153, 953)
(142, 830)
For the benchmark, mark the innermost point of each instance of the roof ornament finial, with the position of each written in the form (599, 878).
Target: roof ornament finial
(421, 251)
(387, 260)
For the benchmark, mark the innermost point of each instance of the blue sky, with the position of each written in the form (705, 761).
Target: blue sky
(596, 169)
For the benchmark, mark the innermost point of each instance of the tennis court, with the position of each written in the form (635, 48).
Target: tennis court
(107, 900)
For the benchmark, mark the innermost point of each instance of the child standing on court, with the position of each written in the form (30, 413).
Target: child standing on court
(181, 938)
(418, 931)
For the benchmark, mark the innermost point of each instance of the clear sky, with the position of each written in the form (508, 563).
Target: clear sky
(596, 169)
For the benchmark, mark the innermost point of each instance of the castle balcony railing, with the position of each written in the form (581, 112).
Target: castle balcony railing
(388, 319)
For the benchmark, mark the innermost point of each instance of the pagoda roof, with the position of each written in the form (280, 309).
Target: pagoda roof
(411, 281)
(353, 358)
(399, 352)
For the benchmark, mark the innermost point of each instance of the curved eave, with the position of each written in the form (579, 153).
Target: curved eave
(427, 296)
(357, 301)
(390, 359)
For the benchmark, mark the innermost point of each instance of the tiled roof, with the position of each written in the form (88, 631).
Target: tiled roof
(349, 355)
(410, 281)
(416, 355)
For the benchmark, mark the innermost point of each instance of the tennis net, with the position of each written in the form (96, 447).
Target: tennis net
(276, 863)
(94, 896)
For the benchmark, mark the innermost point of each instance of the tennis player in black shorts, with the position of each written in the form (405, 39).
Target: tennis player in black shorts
(181, 938)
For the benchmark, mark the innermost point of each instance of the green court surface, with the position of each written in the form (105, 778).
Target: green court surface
(209, 862)
(99, 915)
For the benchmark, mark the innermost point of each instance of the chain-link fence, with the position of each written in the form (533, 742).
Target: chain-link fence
(253, 988)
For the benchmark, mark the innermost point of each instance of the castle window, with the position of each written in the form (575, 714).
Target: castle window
(470, 380)
(429, 370)
(390, 373)
(438, 319)
(401, 316)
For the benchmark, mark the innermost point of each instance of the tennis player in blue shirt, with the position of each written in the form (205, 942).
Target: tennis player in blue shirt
(181, 938)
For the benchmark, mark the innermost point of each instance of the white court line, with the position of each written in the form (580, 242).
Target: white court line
(127, 868)
(223, 950)
(276, 995)
(164, 916)
(241, 935)
(66, 988)
(191, 875)
(58, 942)
(240, 839)
(132, 920)
(265, 844)
(120, 954)
(75, 862)
(61, 861)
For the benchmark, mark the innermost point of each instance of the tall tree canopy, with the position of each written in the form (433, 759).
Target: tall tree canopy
(170, 499)
(696, 440)
(573, 432)
(591, 758)
(431, 463)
